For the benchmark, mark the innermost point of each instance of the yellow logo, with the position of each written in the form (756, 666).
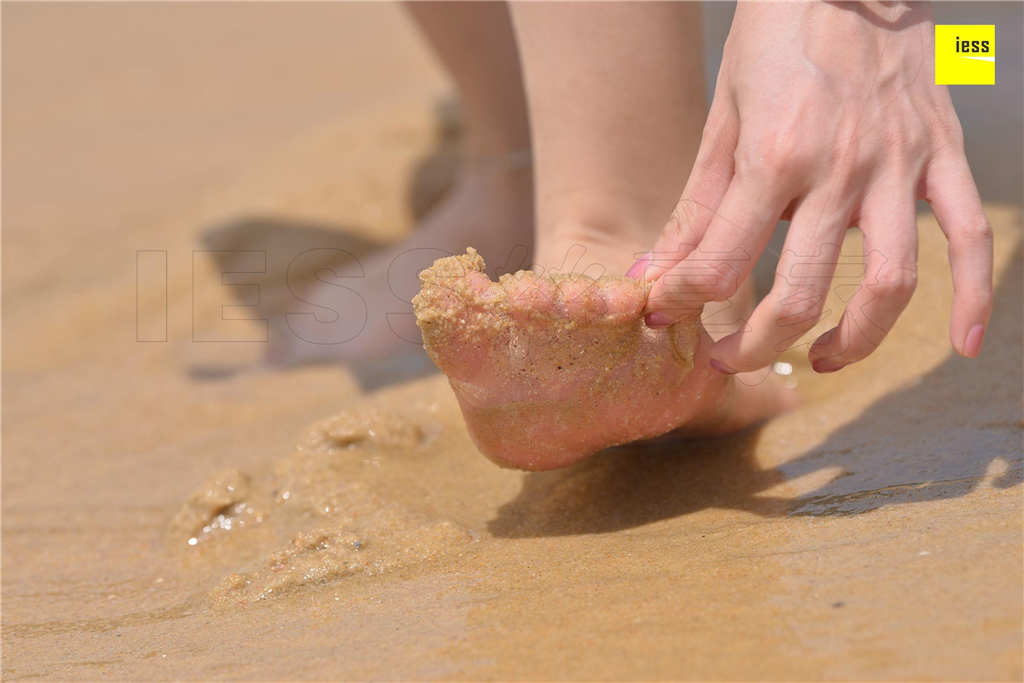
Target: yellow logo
(965, 54)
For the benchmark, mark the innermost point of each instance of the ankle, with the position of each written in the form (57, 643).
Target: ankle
(492, 143)
(591, 248)
(505, 177)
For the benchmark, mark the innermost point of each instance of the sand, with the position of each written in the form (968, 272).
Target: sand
(176, 510)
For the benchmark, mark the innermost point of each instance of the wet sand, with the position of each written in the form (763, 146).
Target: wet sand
(173, 510)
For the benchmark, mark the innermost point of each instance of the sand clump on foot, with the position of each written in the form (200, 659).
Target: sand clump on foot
(549, 369)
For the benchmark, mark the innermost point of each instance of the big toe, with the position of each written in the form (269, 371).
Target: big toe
(458, 310)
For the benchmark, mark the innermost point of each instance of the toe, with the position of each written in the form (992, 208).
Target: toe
(579, 299)
(480, 289)
(623, 299)
(529, 296)
(444, 285)
(457, 310)
(450, 267)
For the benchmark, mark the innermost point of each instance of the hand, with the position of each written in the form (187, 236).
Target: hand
(827, 115)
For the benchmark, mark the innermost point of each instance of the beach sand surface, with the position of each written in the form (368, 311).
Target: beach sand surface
(172, 509)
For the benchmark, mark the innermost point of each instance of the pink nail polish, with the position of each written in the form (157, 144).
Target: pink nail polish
(825, 365)
(972, 342)
(722, 367)
(636, 271)
(658, 319)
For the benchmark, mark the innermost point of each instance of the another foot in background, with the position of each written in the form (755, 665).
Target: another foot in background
(362, 310)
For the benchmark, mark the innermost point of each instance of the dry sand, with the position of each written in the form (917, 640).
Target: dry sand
(874, 533)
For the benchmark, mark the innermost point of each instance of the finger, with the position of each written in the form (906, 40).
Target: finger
(737, 233)
(950, 189)
(797, 298)
(708, 181)
(889, 225)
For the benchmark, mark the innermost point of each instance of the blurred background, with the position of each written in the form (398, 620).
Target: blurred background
(168, 128)
(117, 115)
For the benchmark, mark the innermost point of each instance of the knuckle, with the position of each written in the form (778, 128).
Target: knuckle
(845, 159)
(945, 128)
(772, 158)
(717, 141)
(679, 225)
(707, 283)
(895, 283)
(973, 236)
(722, 289)
(905, 139)
(674, 231)
(978, 232)
(797, 310)
(711, 289)
(723, 283)
(913, 144)
(750, 165)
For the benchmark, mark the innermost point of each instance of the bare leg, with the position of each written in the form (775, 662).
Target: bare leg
(617, 115)
(617, 104)
(549, 370)
(474, 42)
(490, 205)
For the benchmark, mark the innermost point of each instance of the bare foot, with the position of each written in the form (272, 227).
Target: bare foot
(356, 311)
(551, 369)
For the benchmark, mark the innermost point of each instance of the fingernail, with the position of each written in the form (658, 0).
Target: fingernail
(658, 319)
(824, 365)
(972, 342)
(722, 367)
(636, 270)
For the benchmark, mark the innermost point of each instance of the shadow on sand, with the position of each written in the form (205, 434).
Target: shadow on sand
(933, 440)
(295, 251)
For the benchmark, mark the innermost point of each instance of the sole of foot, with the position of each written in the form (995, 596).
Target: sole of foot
(550, 369)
